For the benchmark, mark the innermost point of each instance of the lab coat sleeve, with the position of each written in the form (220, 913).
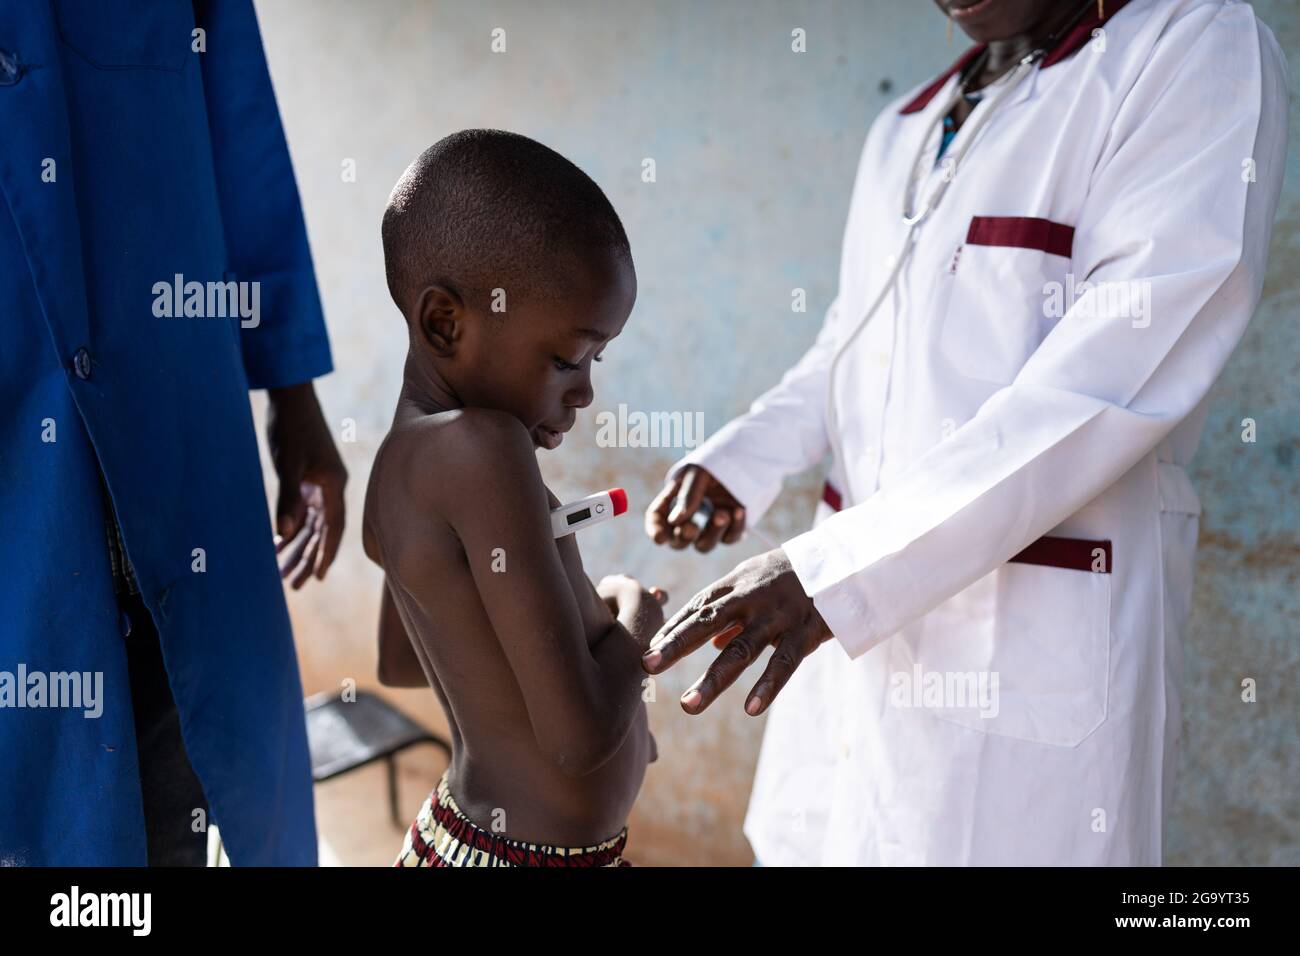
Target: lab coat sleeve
(784, 432)
(266, 238)
(1169, 214)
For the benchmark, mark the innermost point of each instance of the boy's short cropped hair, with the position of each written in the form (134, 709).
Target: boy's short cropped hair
(487, 209)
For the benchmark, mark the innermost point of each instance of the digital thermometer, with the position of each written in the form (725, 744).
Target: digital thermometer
(587, 511)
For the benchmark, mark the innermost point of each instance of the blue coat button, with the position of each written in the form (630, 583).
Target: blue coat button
(10, 69)
(81, 364)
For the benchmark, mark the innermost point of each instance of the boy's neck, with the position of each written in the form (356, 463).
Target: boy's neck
(424, 388)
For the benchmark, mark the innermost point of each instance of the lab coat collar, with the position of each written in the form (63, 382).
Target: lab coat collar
(1065, 47)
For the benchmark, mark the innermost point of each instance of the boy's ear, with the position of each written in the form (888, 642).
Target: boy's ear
(440, 318)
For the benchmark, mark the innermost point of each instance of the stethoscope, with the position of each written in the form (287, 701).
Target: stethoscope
(914, 216)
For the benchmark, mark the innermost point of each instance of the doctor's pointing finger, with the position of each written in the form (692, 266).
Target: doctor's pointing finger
(1051, 251)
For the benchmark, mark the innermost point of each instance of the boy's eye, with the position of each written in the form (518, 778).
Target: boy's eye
(564, 366)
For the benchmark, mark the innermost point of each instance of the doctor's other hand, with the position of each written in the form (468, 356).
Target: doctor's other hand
(760, 602)
(668, 519)
(309, 512)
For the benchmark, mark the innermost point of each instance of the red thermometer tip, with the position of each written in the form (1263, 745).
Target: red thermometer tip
(619, 497)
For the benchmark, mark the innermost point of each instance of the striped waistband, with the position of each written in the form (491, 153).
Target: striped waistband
(443, 836)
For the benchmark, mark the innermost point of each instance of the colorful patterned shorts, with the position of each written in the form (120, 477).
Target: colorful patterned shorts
(443, 836)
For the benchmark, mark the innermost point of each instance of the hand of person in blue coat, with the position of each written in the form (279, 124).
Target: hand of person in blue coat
(309, 513)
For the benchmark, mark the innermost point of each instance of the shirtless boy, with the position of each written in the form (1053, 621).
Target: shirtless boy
(513, 272)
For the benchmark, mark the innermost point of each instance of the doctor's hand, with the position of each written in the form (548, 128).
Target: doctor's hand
(668, 519)
(309, 513)
(760, 602)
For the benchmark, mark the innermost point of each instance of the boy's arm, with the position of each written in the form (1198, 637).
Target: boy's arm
(399, 666)
(581, 700)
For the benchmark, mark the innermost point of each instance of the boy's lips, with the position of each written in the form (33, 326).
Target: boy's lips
(550, 438)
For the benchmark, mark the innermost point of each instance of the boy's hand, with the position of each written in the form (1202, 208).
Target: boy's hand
(651, 611)
(641, 611)
(637, 608)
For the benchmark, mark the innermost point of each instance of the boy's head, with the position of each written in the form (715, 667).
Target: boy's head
(512, 270)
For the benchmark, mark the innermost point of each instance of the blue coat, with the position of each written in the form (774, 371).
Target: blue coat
(126, 159)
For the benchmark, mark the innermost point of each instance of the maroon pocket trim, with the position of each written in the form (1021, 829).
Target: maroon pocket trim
(1072, 554)
(1021, 232)
(831, 496)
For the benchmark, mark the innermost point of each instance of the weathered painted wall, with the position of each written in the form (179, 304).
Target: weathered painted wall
(1238, 801)
(755, 149)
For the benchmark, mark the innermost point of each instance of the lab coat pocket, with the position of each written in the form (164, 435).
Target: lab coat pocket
(1032, 642)
(127, 34)
(999, 287)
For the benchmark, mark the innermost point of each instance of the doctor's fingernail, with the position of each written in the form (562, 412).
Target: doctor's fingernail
(754, 706)
(691, 699)
(651, 658)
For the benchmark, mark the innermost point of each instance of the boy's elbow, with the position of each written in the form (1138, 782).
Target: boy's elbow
(576, 769)
(385, 675)
(571, 768)
(403, 676)
(582, 760)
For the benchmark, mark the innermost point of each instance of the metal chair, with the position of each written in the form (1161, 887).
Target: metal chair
(345, 735)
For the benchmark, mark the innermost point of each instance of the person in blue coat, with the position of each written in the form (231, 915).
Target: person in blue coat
(154, 267)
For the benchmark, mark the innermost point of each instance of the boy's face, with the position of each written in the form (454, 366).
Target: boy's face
(535, 360)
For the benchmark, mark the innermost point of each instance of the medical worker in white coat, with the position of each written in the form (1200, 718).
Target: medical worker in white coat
(1051, 251)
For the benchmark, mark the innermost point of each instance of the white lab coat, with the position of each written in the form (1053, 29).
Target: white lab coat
(973, 424)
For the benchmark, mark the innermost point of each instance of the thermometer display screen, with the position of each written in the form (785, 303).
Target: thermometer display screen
(577, 516)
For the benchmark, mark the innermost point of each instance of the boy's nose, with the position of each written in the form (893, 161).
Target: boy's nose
(580, 396)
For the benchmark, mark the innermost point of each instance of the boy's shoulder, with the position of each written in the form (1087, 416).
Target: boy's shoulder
(447, 466)
(465, 451)
(474, 442)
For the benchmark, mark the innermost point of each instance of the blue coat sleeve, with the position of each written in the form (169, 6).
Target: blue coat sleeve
(266, 238)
